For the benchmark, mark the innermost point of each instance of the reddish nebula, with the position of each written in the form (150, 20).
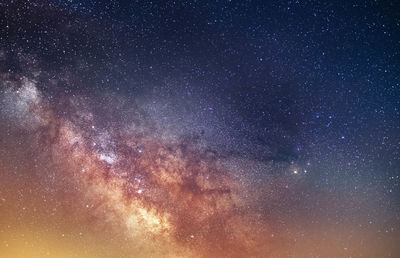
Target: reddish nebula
(169, 196)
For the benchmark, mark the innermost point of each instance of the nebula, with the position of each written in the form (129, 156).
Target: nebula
(174, 196)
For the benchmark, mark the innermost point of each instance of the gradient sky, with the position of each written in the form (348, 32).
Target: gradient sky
(199, 128)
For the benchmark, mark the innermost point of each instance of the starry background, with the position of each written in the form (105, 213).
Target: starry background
(290, 109)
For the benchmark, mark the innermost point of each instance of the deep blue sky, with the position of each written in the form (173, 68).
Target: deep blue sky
(291, 85)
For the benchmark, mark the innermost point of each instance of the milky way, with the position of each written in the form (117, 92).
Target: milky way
(176, 193)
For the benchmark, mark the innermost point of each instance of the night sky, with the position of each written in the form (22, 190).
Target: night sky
(199, 128)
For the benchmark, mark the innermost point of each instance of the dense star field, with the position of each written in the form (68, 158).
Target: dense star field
(199, 128)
